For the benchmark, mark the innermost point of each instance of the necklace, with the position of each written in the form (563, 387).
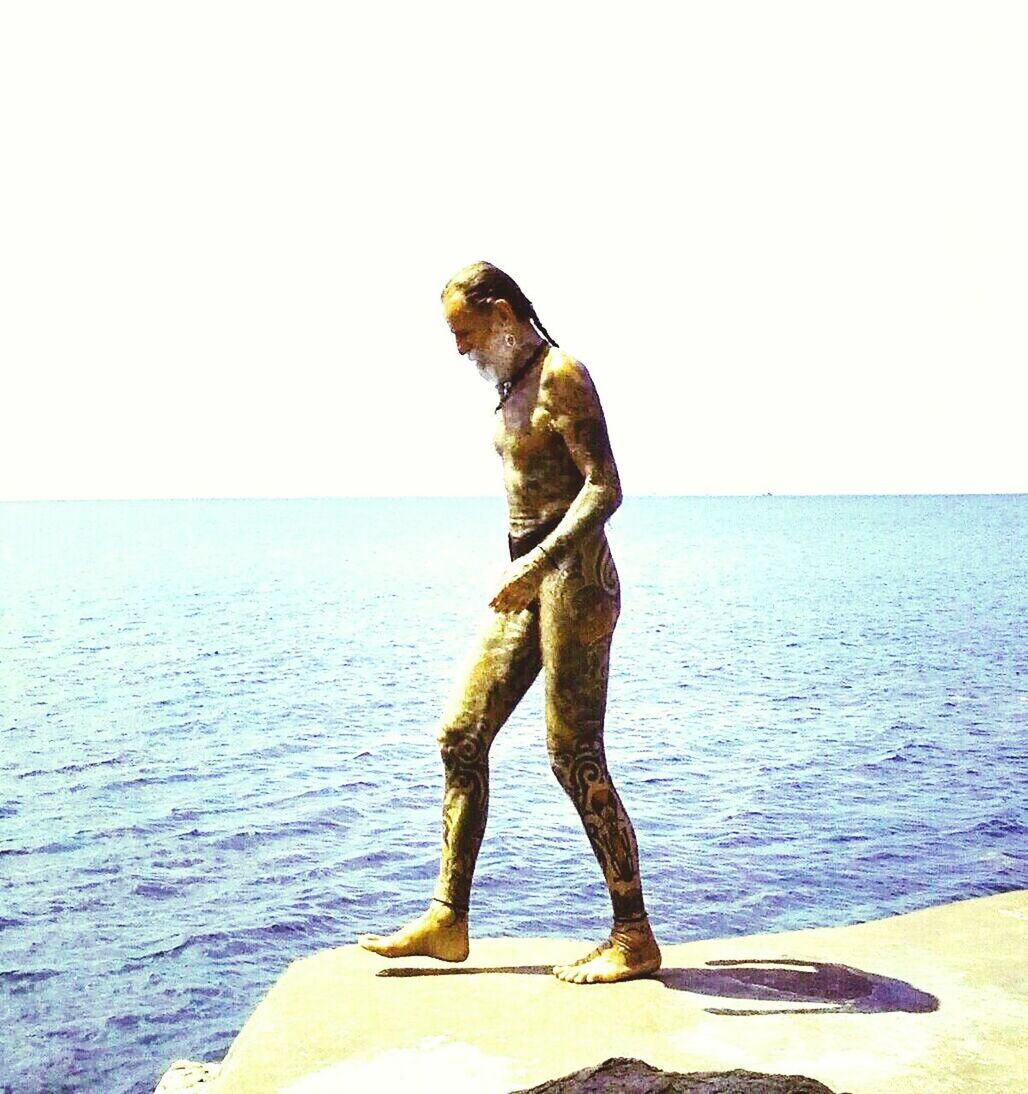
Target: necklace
(506, 387)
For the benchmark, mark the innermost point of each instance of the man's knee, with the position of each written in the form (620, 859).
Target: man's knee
(463, 744)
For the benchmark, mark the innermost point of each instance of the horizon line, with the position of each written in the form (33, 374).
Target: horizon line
(500, 498)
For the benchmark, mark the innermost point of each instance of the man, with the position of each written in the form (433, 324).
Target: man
(555, 611)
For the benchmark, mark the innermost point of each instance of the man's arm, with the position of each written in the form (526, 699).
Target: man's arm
(568, 395)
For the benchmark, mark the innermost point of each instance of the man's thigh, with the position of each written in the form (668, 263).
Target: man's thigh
(502, 667)
(577, 620)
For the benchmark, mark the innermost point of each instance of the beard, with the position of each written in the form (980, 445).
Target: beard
(495, 361)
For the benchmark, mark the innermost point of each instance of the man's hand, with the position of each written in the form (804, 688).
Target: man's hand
(520, 584)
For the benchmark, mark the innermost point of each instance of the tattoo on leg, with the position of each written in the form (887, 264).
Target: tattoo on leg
(465, 808)
(607, 574)
(582, 771)
(502, 670)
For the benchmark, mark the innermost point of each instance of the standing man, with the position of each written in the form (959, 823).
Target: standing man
(555, 611)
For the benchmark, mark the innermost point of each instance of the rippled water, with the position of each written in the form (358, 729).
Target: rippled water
(217, 724)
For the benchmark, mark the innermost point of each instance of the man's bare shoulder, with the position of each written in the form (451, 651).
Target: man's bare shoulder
(565, 387)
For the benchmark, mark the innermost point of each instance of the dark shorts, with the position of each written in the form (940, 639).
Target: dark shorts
(521, 545)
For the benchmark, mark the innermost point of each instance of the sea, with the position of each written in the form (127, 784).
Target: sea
(217, 741)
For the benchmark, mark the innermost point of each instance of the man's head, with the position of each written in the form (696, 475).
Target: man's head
(490, 317)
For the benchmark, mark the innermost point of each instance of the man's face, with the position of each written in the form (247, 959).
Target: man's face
(478, 333)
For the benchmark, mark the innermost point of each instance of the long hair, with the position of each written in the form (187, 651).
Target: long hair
(482, 283)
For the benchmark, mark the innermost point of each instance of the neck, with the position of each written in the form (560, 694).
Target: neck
(533, 351)
(527, 351)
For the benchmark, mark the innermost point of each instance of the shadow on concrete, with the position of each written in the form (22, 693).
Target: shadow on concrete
(468, 970)
(825, 988)
(800, 987)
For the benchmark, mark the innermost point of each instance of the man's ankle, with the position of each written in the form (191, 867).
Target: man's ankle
(446, 912)
(638, 924)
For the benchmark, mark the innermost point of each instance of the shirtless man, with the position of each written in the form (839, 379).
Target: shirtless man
(555, 612)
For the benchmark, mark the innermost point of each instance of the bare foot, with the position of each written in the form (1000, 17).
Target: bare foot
(439, 932)
(630, 951)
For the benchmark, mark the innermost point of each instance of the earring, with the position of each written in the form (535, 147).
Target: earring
(509, 339)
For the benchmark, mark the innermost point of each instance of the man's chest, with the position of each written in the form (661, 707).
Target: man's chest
(523, 430)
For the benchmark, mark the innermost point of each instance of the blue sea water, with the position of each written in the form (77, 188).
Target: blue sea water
(217, 749)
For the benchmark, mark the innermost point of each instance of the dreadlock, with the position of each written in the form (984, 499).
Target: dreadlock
(482, 283)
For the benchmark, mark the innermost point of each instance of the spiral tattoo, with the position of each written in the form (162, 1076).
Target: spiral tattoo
(607, 574)
(465, 809)
(582, 771)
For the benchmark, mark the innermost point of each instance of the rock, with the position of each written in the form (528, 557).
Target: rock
(185, 1076)
(627, 1076)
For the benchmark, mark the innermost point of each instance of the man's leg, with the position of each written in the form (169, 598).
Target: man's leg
(504, 665)
(579, 611)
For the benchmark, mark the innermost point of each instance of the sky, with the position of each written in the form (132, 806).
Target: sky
(788, 241)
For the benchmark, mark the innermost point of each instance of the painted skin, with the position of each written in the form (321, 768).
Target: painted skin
(555, 612)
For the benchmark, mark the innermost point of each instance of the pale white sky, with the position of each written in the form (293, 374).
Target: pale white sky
(789, 240)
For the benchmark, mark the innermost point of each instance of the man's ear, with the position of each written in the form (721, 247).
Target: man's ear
(503, 311)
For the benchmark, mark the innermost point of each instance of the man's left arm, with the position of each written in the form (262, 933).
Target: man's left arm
(575, 413)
